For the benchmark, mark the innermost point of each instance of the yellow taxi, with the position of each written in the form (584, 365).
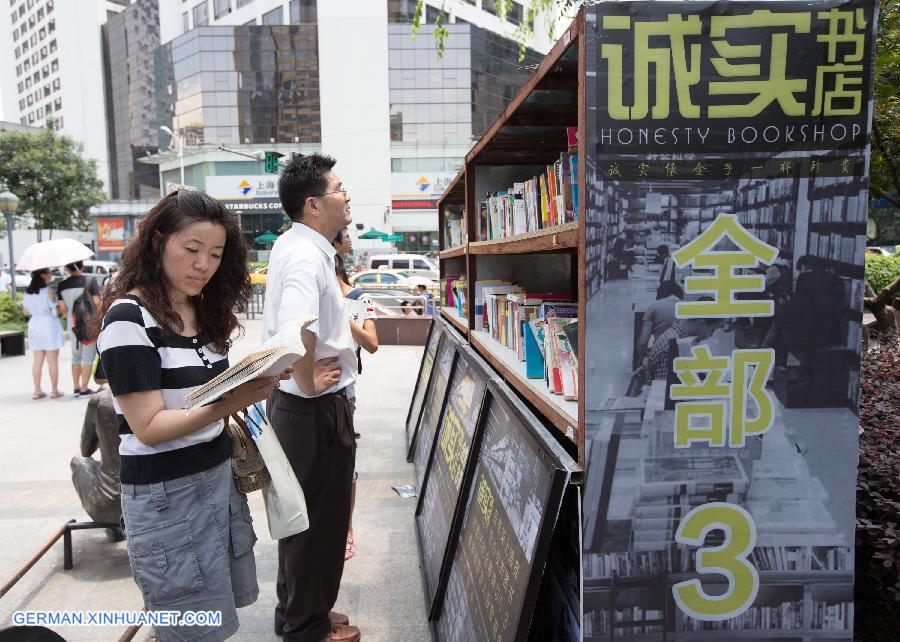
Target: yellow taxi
(258, 277)
(377, 277)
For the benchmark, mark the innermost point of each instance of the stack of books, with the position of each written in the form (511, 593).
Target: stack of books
(671, 486)
(540, 202)
(455, 231)
(541, 329)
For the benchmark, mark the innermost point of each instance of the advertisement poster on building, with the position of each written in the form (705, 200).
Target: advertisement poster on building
(728, 155)
(110, 235)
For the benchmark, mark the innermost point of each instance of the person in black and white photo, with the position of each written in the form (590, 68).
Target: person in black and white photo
(311, 413)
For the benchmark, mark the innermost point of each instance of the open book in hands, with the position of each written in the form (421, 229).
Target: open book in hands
(271, 358)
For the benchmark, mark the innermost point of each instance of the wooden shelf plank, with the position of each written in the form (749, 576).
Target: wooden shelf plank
(561, 413)
(455, 191)
(554, 239)
(455, 320)
(459, 250)
(548, 65)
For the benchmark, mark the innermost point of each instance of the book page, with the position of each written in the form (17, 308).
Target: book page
(273, 357)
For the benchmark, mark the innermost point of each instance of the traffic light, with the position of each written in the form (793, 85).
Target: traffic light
(272, 162)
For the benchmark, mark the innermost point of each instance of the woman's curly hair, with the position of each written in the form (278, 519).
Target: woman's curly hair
(226, 293)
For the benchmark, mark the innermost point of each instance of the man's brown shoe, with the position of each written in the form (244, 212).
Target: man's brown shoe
(344, 634)
(338, 619)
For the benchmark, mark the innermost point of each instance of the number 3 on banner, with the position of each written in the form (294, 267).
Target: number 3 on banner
(729, 559)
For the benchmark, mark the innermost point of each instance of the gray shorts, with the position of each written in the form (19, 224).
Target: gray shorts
(190, 545)
(82, 353)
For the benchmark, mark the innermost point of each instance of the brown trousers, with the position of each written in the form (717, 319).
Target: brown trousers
(317, 437)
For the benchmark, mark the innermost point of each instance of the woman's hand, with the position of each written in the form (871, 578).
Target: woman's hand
(250, 392)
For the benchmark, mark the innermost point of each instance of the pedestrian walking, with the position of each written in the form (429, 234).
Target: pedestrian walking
(84, 348)
(45, 336)
(167, 324)
(311, 413)
(365, 335)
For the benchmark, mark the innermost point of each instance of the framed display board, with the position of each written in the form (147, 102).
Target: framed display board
(448, 476)
(519, 476)
(433, 405)
(425, 368)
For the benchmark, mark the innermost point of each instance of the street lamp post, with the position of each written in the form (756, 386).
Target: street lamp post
(9, 203)
(180, 142)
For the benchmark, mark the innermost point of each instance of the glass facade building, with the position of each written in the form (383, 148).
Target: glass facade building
(241, 85)
(129, 40)
(453, 98)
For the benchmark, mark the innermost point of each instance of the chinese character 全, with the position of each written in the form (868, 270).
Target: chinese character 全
(723, 282)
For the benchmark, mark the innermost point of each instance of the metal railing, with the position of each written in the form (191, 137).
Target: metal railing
(386, 305)
(413, 305)
(64, 532)
(255, 304)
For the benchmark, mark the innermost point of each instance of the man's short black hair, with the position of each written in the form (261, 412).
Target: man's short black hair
(668, 288)
(77, 266)
(303, 177)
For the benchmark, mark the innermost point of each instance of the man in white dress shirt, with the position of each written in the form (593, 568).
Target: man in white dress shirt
(310, 412)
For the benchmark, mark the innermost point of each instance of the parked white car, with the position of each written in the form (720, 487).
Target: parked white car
(413, 263)
(23, 279)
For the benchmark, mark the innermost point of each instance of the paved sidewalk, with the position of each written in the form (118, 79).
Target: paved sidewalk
(381, 590)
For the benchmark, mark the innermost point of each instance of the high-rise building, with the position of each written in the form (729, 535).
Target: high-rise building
(345, 78)
(130, 40)
(51, 68)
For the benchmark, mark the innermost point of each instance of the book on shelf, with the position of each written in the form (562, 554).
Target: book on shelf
(544, 200)
(622, 622)
(478, 297)
(554, 215)
(534, 351)
(459, 292)
(450, 290)
(454, 231)
(837, 616)
(271, 358)
(489, 289)
(519, 220)
(785, 615)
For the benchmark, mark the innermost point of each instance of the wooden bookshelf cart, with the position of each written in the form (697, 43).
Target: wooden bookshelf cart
(530, 132)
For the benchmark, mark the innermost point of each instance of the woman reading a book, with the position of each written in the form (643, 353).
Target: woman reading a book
(166, 329)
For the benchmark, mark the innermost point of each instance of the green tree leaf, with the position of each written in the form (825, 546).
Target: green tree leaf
(55, 184)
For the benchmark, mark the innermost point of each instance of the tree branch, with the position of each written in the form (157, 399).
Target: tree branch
(877, 193)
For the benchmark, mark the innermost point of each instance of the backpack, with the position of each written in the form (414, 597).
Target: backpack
(82, 313)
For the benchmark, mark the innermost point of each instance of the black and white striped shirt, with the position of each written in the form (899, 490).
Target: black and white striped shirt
(138, 355)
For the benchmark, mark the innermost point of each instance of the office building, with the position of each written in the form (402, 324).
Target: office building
(51, 69)
(130, 40)
(238, 77)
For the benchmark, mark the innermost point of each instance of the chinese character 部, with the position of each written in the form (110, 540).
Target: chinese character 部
(722, 408)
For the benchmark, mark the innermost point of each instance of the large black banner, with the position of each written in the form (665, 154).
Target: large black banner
(726, 168)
